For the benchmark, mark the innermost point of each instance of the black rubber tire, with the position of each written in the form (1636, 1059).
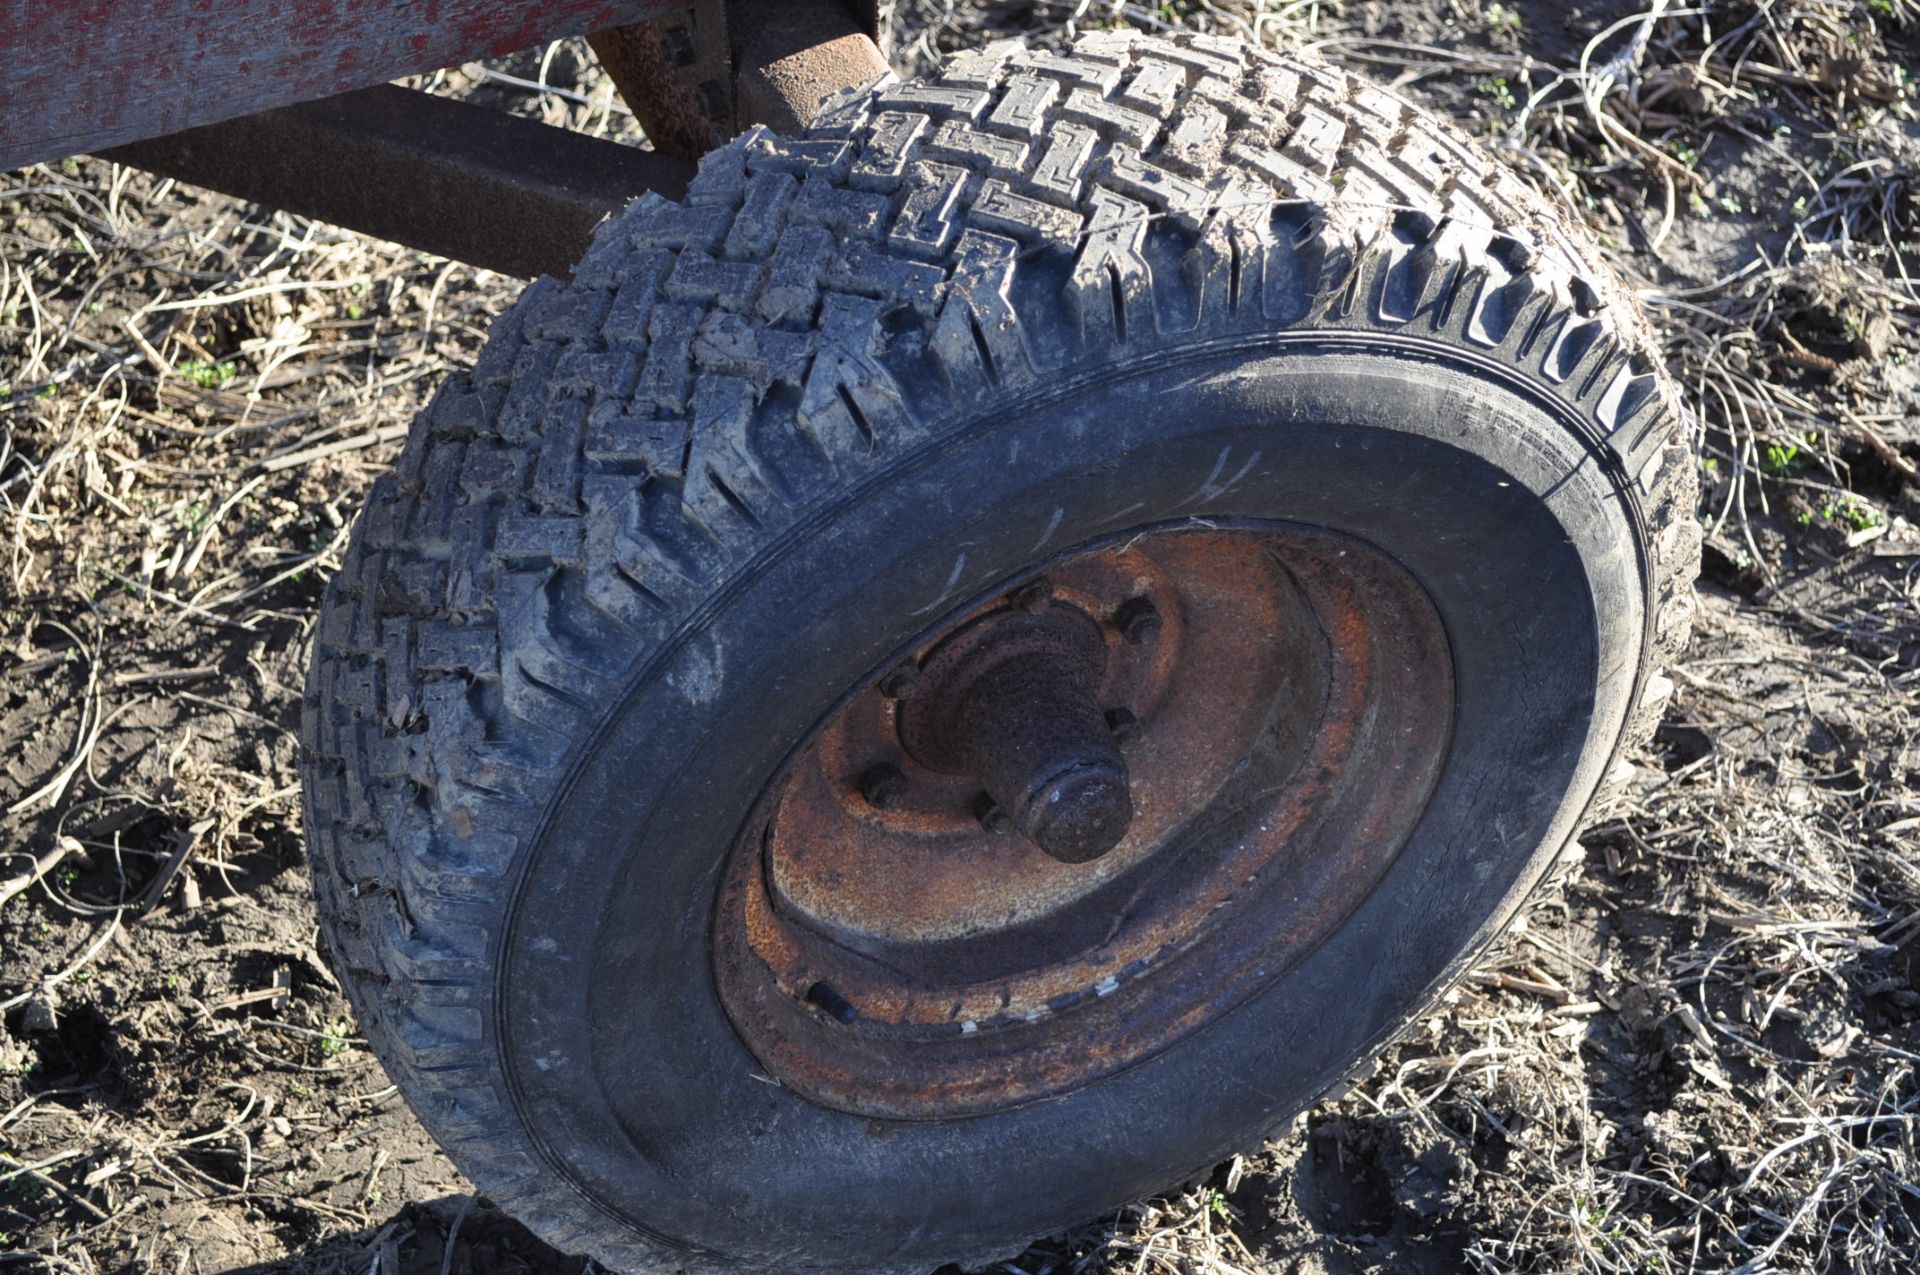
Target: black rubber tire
(855, 380)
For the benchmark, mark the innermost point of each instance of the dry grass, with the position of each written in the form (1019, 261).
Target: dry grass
(1701, 1056)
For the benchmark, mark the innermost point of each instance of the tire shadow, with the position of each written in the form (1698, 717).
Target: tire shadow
(452, 1235)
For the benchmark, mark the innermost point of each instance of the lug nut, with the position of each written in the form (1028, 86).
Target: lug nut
(824, 998)
(883, 785)
(1123, 726)
(1033, 595)
(898, 684)
(990, 814)
(1138, 620)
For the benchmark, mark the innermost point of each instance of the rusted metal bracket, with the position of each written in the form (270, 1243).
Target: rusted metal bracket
(676, 73)
(697, 76)
(790, 54)
(464, 181)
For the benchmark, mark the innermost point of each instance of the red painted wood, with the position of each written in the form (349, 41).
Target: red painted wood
(87, 74)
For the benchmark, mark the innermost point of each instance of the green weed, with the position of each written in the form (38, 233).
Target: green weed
(1777, 460)
(1503, 21)
(208, 375)
(336, 1039)
(1850, 511)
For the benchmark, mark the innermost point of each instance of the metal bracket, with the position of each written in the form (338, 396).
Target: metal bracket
(696, 77)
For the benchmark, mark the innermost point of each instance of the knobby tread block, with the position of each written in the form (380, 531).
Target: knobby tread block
(717, 365)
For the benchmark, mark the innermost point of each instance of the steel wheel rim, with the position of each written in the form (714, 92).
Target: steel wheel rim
(1285, 721)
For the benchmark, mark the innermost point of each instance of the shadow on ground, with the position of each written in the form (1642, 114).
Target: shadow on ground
(455, 1234)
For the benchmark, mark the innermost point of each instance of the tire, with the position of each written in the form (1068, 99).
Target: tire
(861, 380)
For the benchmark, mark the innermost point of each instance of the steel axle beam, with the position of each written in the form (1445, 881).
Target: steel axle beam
(464, 181)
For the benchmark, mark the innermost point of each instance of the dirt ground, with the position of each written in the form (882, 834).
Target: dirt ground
(1701, 1053)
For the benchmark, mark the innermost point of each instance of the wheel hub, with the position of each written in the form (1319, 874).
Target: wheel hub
(1010, 701)
(1220, 738)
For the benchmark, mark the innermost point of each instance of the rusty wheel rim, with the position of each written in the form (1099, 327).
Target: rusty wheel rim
(891, 940)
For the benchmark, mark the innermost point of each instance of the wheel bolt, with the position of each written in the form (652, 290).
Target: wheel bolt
(824, 998)
(1138, 620)
(883, 785)
(898, 684)
(1033, 595)
(991, 815)
(1123, 726)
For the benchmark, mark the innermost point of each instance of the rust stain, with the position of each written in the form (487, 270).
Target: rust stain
(1295, 711)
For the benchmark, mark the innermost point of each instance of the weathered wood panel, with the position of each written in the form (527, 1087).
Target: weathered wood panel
(87, 74)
